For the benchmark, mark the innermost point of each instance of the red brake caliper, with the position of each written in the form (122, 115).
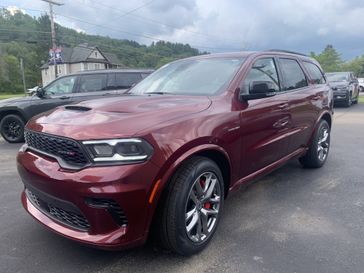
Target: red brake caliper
(207, 205)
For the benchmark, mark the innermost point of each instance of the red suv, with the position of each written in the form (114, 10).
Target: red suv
(165, 156)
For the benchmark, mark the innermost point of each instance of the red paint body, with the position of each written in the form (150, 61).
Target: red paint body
(244, 134)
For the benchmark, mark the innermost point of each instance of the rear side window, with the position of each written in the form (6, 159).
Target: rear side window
(292, 74)
(126, 80)
(91, 83)
(263, 72)
(315, 73)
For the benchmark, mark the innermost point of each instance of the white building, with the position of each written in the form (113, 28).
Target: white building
(79, 58)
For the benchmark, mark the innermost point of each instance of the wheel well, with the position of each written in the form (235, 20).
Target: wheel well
(11, 112)
(221, 161)
(327, 117)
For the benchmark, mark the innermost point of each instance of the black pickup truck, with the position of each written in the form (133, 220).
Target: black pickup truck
(15, 112)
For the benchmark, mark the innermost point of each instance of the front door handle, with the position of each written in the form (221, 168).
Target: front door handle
(316, 98)
(64, 97)
(283, 106)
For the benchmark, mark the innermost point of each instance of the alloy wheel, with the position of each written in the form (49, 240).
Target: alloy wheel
(12, 129)
(202, 207)
(323, 143)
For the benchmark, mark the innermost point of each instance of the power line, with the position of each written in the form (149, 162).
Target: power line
(134, 34)
(149, 19)
(137, 8)
(142, 35)
(20, 30)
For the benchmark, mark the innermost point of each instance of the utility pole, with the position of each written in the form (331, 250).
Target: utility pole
(22, 74)
(54, 45)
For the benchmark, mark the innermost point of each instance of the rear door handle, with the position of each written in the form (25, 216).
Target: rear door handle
(64, 97)
(281, 123)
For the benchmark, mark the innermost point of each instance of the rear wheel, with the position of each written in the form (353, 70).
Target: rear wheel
(319, 148)
(12, 128)
(192, 207)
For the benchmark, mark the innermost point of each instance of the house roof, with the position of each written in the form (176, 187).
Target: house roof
(82, 52)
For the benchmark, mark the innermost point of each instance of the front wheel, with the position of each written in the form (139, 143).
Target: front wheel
(348, 101)
(356, 99)
(12, 128)
(319, 148)
(192, 208)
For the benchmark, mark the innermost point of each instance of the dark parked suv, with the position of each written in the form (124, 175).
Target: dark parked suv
(164, 159)
(345, 86)
(14, 113)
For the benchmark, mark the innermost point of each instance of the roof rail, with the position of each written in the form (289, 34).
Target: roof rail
(286, 51)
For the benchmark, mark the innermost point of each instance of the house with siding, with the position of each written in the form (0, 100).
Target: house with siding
(80, 58)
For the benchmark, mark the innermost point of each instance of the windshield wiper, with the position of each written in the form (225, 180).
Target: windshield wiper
(158, 93)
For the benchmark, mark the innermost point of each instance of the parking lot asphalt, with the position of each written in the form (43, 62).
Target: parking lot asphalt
(293, 220)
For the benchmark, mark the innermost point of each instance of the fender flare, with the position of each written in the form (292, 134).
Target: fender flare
(12, 110)
(325, 112)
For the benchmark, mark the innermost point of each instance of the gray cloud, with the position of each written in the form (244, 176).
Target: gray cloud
(218, 25)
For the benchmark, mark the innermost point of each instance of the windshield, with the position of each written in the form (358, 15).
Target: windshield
(337, 77)
(191, 77)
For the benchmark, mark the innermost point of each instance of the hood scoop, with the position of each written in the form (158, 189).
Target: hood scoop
(77, 108)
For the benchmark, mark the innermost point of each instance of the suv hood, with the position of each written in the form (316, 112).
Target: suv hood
(336, 85)
(117, 116)
(16, 101)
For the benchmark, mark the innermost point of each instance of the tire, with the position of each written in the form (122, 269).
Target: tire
(318, 151)
(12, 128)
(348, 101)
(356, 99)
(179, 212)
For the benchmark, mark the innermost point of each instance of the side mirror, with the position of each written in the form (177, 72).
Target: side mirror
(259, 90)
(40, 92)
(258, 87)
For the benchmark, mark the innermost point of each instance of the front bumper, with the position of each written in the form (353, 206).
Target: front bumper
(340, 97)
(73, 203)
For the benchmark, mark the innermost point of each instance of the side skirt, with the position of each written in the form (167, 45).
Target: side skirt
(264, 171)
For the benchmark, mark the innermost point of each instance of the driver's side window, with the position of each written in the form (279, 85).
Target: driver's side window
(61, 86)
(262, 76)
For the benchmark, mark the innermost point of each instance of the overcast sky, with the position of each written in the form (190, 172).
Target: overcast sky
(219, 25)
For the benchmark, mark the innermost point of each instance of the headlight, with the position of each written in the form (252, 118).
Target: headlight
(128, 150)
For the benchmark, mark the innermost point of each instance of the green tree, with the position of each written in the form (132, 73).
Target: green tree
(329, 59)
(355, 65)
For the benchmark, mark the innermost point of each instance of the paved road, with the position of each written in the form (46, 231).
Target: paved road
(294, 220)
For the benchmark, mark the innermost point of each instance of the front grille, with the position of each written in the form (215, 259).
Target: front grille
(68, 150)
(112, 207)
(68, 218)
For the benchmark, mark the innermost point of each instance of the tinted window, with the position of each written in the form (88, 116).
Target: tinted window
(61, 86)
(95, 82)
(110, 85)
(315, 73)
(292, 74)
(144, 75)
(263, 72)
(126, 80)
